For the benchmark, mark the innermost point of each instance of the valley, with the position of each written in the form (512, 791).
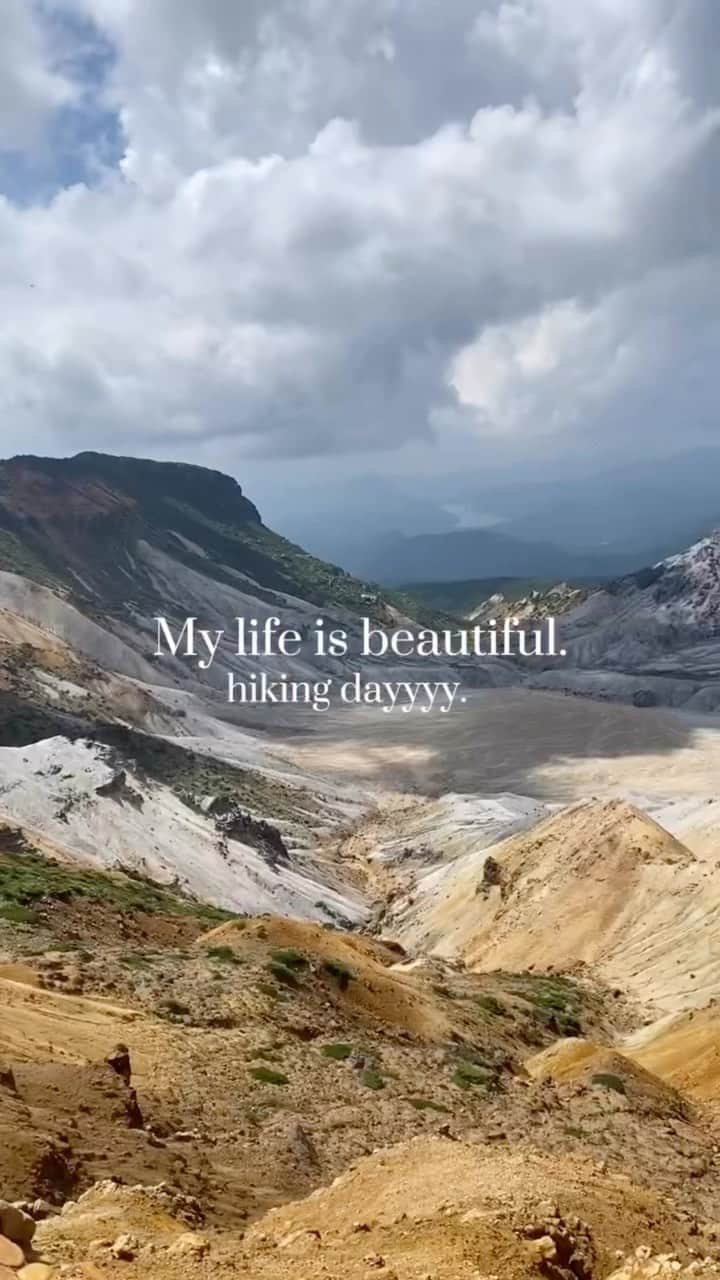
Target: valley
(345, 993)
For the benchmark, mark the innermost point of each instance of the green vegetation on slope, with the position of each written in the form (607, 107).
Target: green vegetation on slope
(193, 777)
(28, 881)
(17, 557)
(279, 564)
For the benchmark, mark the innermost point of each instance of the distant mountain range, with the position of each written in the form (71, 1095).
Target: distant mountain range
(486, 553)
(592, 523)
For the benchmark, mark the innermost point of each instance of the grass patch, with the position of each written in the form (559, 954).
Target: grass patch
(290, 958)
(15, 913)
(372, 1079)
(281, 973)
(27, 880)
(338, 1052)
(548, 991)
(427, 1104)
(491, 1004)
(224, 955)
(467, 1076)
(556, 1001)
(192, 776)
(266, 1076)
(568, 1025)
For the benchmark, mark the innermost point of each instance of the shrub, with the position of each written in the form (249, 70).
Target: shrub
(290, 958)
(555, 1000)
(467, 1075)
(606, 1080)
(267, 989)
(490, 1004)
(225, 955)
(340, 1052)
(266, 1076)
(340, 972)
(568, 1025)
(281, 973)
(372, 1079)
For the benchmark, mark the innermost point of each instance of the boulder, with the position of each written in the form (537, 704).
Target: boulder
(11, 1255)
(16, 1225)
(190, 1245)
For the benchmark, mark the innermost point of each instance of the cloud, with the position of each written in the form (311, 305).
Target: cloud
(364, 225)
(638, 360)
(31, 87)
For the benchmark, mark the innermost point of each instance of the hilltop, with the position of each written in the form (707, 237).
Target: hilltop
(598, 884)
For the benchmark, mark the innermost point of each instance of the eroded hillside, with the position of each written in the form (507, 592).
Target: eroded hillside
(344, 996)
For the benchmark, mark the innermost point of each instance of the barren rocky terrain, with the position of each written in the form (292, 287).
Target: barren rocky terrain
(344, 995)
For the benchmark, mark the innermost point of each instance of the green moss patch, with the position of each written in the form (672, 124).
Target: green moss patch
(266, 1076)
(338, 1052)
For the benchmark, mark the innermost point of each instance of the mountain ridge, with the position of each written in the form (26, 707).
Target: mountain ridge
(486, 553)
(89, 512)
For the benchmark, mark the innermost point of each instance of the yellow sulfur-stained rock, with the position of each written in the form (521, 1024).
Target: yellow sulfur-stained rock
(37, 1271)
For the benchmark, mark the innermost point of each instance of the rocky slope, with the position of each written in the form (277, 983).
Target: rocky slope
(600, 884)
(92, 550)
(652, 637)
(94, 547)
(174, 1088)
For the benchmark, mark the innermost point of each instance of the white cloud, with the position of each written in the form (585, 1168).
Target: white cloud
(348, 225)
(30, 86)
(640, 360)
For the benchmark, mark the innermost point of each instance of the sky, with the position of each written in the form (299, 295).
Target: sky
(312, 240)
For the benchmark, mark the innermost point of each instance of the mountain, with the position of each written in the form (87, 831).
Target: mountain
(102, 527)
(122, 760)
(480, 598)
(345, 515)
(657, 502)
(624, 516)
(652, 636)
(483, 553)
(598, 885)
(100, 546)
